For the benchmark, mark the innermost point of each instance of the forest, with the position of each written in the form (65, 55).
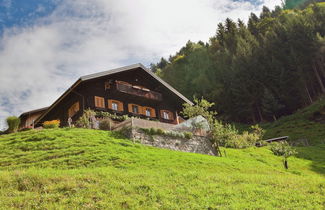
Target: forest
(257, 71)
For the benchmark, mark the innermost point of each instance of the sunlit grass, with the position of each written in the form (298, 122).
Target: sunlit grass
(80, 168)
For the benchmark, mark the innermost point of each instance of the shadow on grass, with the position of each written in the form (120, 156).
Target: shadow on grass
(316, 154)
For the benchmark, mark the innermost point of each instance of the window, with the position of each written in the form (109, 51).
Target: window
(167, 115)
(148, 112)
(73, 109)
(135, 109)
(114, 106)
(99, 102)
(107, 85)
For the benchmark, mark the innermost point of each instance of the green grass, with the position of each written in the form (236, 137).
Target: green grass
(300, 125)
(89, 169)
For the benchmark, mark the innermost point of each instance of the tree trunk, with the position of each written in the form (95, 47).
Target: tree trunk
(259, 113)
(218, 149)
(320, 64)
(253, 118)
(274, 117)
(308, 94)
(285, 163)
(320, 82)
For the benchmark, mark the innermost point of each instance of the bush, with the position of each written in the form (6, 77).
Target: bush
(13, 124)
(106, 124)
(240, 141)
(111, 116)
(188, 135)
(85, 120)
(51, 124)
(282, 149)
(160, 131)
(229, 136)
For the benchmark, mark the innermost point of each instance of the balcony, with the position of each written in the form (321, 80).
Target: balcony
(138, 91)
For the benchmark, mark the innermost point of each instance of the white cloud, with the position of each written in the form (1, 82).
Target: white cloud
(39, 62)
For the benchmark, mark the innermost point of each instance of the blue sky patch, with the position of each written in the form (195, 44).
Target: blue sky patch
(24, 12)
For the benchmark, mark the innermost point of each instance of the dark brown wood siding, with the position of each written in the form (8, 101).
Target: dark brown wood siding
(86, 91)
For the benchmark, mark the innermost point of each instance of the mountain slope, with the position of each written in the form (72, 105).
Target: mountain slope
(80, 168)
(307, 123)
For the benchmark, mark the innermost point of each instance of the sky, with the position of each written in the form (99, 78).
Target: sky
(46, 45)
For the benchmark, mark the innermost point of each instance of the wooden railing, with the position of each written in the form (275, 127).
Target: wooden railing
(139, 92)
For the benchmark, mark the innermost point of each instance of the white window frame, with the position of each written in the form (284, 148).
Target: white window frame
(115, 106)
(137, 108)
(165, 115)
(148, 112)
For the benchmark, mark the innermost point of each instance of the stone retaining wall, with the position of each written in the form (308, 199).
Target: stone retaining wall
(197, 144)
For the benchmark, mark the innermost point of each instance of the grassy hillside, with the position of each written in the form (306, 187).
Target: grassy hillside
(308, 123)
(79, 168)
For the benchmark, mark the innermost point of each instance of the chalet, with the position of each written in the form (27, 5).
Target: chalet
(27, 119)
(131, 90)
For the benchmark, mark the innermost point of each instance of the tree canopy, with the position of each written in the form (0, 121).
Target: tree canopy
(269, 67)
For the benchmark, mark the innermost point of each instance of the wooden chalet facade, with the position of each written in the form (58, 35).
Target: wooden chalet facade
(27, 119)
(132, 90)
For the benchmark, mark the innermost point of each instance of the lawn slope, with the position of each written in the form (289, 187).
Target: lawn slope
(307, 123)
(80, 168)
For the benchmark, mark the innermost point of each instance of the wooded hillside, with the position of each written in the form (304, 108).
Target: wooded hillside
(269, 67)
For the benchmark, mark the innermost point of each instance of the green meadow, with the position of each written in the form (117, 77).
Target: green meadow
(91, 169)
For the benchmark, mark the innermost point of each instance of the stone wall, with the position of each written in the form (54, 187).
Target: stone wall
(197, 144)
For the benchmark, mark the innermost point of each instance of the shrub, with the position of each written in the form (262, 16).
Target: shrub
(106, 124)
(51, 124)
(85, 120)
(152, 131)
(283, 149)
(188, 135)
(111, 116)
(243, 140)
(160, 131)
(229, 136)
(13, 124)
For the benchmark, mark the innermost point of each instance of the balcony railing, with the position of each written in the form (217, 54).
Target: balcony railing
(138, 91)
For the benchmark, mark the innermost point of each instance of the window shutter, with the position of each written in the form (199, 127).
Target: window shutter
(109, 104)
(120, 107)
(171, 116)
(153, 112)
(99, 102)
(103, 102)
(142, 110)
(130, 108)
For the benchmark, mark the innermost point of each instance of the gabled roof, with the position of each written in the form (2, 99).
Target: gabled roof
(110, 72)
(34, 111)
(131, 67)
